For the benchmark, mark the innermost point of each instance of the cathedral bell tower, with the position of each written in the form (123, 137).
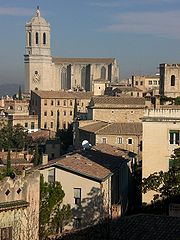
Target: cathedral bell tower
(37, 58)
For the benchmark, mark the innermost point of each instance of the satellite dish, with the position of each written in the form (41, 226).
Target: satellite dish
(86, 145)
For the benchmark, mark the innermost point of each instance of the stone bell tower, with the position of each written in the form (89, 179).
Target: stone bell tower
(37, 58)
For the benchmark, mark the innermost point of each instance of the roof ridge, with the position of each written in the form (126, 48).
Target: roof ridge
(108, 124)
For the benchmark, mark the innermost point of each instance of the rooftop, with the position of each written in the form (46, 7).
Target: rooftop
(105, 128)
(58, 60)
(125, 100)
(63, 94)
(97, 163)
(141, 227)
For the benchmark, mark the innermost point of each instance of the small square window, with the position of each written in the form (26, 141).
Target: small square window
(45, 113)
(7, 192)
(104, 140)
(130, 141)
(119, 140)
(51, 175)
(19, 190)
(136, 83)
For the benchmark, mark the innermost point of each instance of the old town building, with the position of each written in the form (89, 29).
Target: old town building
(55, 109)
(44, 72)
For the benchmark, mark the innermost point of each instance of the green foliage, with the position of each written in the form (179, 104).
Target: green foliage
(13, 137)
(177, 101)
(166, 184)
(36, 156)
(8, 166)
(53, 214)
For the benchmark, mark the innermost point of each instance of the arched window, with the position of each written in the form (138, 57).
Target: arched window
(44, 38)
(63, 78)
(103, 72)
(83, 77)
(37, 38)
(173, 80)
(29, 36)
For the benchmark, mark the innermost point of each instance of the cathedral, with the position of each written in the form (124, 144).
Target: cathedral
(44, 72)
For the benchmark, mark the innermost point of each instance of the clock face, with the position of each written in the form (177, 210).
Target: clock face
(36, 77)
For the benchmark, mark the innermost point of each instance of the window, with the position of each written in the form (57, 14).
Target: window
(51, 113)
(130, 141)
(44, 38)
(150, 82)
(58, 102)
(131, 93)
(45, 113)
(104, 140)
(51, 124)
(70, 113)
(64, 125)
(29, 35)
(64, 102)
(6, 233)
(45, 125)
(136, 83)
(52, 102)
(141, 83)
(52, 155)
(26, 125)
(64, 113)
(119, 140)
(32, 125)
(45, 102)
(37, 38)
(174, 137)
(137, 94)
(70, 102)
(173, 78)
(51, 175)
(77, 196)
(155, 82)
(103, 72)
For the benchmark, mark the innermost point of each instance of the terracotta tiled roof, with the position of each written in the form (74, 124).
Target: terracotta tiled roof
(97, 163)
(118, 100)
(136, 227)
(104, 128)
(94, 126)
(63, 94)
(57, 60)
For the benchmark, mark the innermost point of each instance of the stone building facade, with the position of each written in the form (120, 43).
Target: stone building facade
(19, 207)
(116, 109)
(55, 109)
(127, 136)
(161, 129)
(170, 80)
(44, 72)
(146, 83)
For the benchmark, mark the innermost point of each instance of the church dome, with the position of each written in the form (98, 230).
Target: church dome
(37, 19)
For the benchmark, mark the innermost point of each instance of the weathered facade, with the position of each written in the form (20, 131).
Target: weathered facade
(19, 207)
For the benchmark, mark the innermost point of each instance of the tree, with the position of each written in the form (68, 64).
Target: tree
(13, 137)
(53, 213)
(36, 156)
(8, 164)
(166, 184)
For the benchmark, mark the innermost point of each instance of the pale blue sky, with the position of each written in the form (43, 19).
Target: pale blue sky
(139, 33)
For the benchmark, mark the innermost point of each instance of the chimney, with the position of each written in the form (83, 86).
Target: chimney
(45, 159)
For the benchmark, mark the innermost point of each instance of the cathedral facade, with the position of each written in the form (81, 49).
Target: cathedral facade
(44, 72)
